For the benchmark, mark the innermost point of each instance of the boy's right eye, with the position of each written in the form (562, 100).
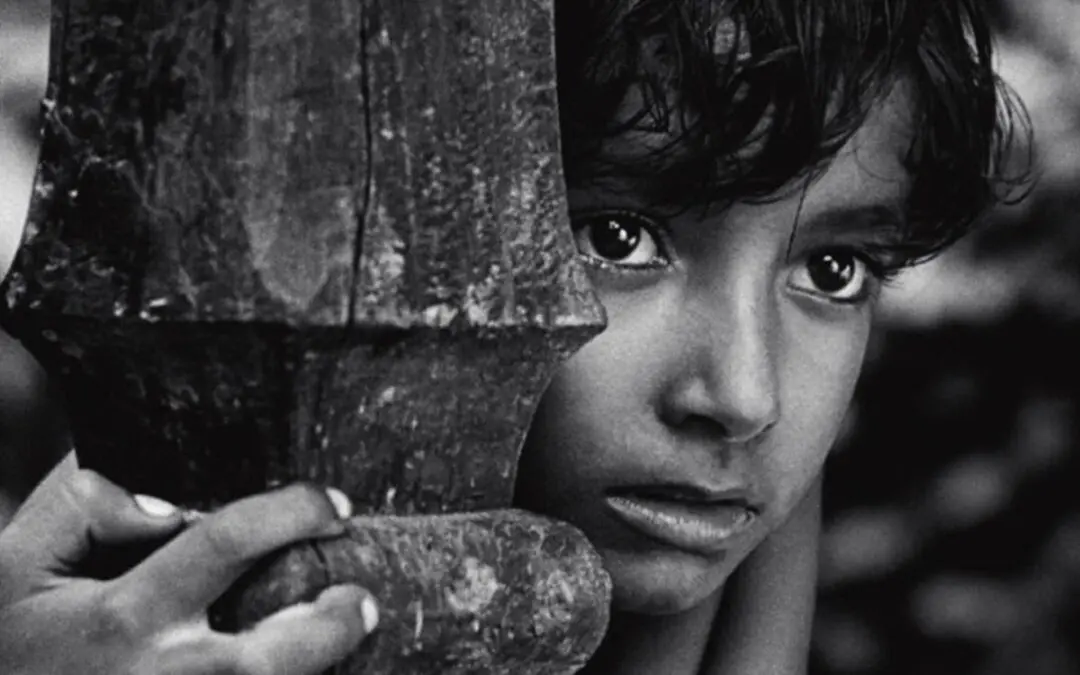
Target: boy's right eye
(625, 240)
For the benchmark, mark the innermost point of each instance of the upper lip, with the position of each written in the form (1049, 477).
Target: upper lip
(691, 493)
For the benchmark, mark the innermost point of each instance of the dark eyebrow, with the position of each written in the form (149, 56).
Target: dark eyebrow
(883, 219)
(886, 219)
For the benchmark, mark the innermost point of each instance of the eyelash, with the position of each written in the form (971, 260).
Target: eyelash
(882, 265)
(878, 265)
(654, 228)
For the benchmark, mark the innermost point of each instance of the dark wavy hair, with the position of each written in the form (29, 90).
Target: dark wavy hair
(764, 93)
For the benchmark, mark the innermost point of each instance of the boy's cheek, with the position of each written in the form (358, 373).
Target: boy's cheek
(792, 479)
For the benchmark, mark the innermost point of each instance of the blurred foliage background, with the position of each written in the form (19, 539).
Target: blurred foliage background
(952, 534)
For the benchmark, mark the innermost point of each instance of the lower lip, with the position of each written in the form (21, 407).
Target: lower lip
(694, 527)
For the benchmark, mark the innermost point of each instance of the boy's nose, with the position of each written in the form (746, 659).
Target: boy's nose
(727, 376)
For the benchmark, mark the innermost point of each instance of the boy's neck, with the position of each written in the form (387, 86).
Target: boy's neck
(639, 644)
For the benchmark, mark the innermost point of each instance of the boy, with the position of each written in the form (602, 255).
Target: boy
(743, 177)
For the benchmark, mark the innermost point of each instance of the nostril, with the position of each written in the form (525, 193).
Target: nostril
(751, 433)
(709, 429)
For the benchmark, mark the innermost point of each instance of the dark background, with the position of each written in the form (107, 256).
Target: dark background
(952, 538)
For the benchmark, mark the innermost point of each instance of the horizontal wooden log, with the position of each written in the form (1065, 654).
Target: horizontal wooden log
(500, 592)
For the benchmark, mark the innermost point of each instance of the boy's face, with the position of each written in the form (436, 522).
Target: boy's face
(690, 429)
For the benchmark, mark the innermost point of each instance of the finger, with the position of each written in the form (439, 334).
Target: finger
(299, 640)
(190, 651)
(73, 510)
(184, 577)
(309, 637)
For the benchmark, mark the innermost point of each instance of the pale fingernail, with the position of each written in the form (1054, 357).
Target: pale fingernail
(152, 506)
(369, 614)
(342, 504)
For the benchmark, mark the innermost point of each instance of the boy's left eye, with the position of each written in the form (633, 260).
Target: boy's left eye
(620, 239)
(839, 275)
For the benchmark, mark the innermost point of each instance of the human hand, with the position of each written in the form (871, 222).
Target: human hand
(765, 619)
(151, 619)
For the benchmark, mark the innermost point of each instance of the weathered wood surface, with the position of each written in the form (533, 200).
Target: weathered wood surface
(448, 609)
(315, 240)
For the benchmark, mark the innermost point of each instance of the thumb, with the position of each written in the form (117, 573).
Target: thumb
(74, 510)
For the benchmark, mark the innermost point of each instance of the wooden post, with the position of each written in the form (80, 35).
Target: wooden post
(274, 240)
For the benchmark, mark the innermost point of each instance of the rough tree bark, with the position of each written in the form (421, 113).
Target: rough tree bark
(275, 240)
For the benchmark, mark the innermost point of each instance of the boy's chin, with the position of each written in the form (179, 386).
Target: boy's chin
(661, 583)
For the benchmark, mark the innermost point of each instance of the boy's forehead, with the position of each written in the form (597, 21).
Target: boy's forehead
(887, 133)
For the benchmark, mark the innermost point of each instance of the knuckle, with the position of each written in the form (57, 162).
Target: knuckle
(85, 486)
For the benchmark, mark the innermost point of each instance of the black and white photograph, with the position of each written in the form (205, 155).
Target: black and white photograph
(539, 337)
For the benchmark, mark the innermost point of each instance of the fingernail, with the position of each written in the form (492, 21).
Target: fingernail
(158, 508)
(342, 504)
(369, 614)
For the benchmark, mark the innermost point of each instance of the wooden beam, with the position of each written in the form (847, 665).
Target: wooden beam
(323, 240)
